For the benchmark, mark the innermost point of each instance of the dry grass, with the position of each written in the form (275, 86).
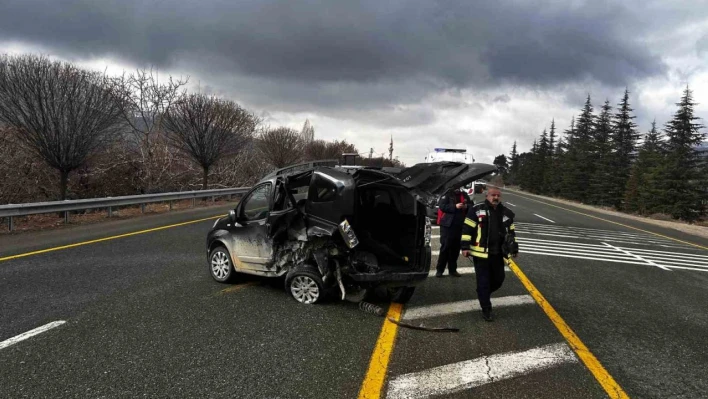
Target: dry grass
(48, 221)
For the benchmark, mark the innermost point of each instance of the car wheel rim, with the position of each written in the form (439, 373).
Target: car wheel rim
(305, 289)
(220, 265)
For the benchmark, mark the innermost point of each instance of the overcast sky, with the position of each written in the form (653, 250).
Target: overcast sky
(454, 73)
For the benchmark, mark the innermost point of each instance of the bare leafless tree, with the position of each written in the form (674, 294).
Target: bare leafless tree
(146, 100)
(320, 149)
(63, 113)
(207, 129)
(26, 178)
(281, 146)
(242, 170)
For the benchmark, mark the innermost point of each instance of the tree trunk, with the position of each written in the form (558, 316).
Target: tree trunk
(205, 179)
(63, 183)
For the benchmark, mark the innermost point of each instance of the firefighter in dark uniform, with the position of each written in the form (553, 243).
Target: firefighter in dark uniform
(453, 206)
(488, 235)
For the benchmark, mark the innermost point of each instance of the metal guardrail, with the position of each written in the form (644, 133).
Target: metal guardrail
(13, 210)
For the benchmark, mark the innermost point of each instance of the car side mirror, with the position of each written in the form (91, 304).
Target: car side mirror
(232, 216)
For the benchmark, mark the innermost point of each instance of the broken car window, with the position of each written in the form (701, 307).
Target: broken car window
(281, 201)
(256, 205)
(322, 189)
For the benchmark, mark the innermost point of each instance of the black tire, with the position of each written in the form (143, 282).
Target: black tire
(401, 294)
(220, 265)
(305, 285)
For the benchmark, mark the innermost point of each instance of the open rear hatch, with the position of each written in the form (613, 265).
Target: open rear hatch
(431, 180)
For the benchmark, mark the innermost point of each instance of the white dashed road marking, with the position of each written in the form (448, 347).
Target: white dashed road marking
(468, 374)
(471, 305)
(30, 334)
(536, 214)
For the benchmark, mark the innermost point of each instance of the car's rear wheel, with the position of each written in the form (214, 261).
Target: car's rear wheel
(401, 294)
(220, 266)
(305, 285)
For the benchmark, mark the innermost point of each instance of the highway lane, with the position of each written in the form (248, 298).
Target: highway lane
(647, 324)
(19, 243)
(144, 317)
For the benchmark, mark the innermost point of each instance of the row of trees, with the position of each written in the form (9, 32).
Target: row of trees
(602, 159)
(105, 136)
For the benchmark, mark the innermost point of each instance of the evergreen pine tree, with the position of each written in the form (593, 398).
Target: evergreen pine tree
(529, 170)
(579, 159)
(552, 138)
(569, 158)
(512, 179)
(625, 140)
(644, 190)
(542, 166)
(558, 162)
(682, 177)
(601, 192)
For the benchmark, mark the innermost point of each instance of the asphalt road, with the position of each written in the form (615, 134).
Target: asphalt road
(144, 318)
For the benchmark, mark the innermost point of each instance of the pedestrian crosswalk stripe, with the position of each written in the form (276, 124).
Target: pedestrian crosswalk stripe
(456, 377)
(471, 305)
(531, 227)
(672, 254)
(594, 257)
(595, 234)
(607, 252)
(636, 256)
(547, 227)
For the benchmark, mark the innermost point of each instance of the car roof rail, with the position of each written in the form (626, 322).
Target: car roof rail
(301, 167)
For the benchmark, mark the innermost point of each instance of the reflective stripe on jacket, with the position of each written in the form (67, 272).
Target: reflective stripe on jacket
(475, 232)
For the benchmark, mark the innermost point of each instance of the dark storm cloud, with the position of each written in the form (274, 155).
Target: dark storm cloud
(452, 43)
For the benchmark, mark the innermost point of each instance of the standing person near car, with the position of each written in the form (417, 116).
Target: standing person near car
(453, 206)
(488, 235)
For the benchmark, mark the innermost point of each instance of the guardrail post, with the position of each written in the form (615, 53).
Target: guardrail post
(9, 223)
(194, 202)
(110, 211)
(170, 205)
(142, 208)
(66, 217)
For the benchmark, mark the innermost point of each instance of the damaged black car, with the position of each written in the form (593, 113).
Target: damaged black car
(339, 229)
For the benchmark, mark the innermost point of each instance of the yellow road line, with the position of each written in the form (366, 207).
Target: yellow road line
(376, 374)
(610, 221)
(105, 239)
(601, 375)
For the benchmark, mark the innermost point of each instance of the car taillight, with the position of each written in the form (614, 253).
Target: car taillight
(428, 231)
(348, 234)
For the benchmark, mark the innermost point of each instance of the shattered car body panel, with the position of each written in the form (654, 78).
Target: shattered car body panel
(356, 227)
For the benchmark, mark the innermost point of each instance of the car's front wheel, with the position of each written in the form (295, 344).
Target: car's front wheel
(220, 266)
(305, 285)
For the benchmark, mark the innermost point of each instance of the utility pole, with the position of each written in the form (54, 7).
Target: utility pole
(371, 153)
(390, 150)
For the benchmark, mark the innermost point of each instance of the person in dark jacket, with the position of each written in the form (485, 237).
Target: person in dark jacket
(453, 205)
(488, 235)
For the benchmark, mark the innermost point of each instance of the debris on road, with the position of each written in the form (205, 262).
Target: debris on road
(379, 311)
